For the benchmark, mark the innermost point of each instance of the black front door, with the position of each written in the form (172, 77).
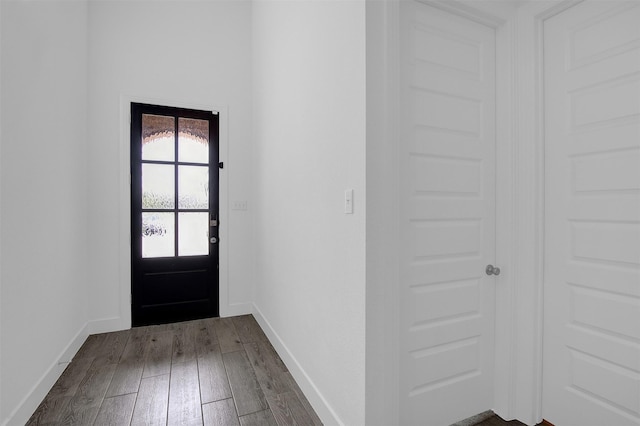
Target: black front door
(174, 214)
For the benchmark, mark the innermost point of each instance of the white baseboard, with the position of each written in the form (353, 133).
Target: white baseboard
(36, 394)
(317, 401)
(106, 325)
(236, 309)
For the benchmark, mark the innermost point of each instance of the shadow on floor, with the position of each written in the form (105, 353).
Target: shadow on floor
(488, 418)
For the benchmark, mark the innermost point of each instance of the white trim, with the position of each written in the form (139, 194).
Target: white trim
(236, 309)
(519, 200)
(316, 399)
(124, 319)
(36, 394)
(1, 116)
(507, 329)
(519, 209)
(382, 363)
(106, 325)
(519, 203)
(527, 240)
(464, 11)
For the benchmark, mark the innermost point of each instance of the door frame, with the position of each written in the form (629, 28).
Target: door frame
(123, 321)
(143, 268)
(519, 204)
(529, 202)
(508, 215)
(466, 18)
(520, 208)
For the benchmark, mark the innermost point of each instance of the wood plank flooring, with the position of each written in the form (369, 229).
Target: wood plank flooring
(488, 418)
(497, 421)
(217, 371)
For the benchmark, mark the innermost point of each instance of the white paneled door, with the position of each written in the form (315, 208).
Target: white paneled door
(447, 158)
(592, 232)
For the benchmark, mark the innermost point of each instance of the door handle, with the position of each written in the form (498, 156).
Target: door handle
(492, 270)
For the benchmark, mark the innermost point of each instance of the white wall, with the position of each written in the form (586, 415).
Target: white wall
(187, 54)
(309, 135)
(43, 174)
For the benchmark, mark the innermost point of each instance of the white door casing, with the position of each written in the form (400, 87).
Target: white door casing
(447, 216)
(591, 373)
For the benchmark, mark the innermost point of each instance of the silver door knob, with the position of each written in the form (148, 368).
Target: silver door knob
(492, 270)
(213, 240)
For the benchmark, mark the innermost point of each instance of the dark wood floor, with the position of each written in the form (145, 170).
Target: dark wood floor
(219, 371)
(497, 421)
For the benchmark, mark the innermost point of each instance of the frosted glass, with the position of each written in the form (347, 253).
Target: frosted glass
(158, 235)
(193, 187)
(158, 184)
(193, 237)
(158, 137)
(193, 140)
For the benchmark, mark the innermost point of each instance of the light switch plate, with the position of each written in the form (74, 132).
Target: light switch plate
(348, 201)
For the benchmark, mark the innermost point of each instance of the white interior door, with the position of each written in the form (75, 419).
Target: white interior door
(592, 232)
(447, 212)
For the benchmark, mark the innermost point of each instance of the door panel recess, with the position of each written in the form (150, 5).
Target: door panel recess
(447, 215)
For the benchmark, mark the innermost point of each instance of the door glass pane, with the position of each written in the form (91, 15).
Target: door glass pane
(193, 187)
(158, 234)
(158, 185)
(193, 236)
(193, 140)
(158, 137)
